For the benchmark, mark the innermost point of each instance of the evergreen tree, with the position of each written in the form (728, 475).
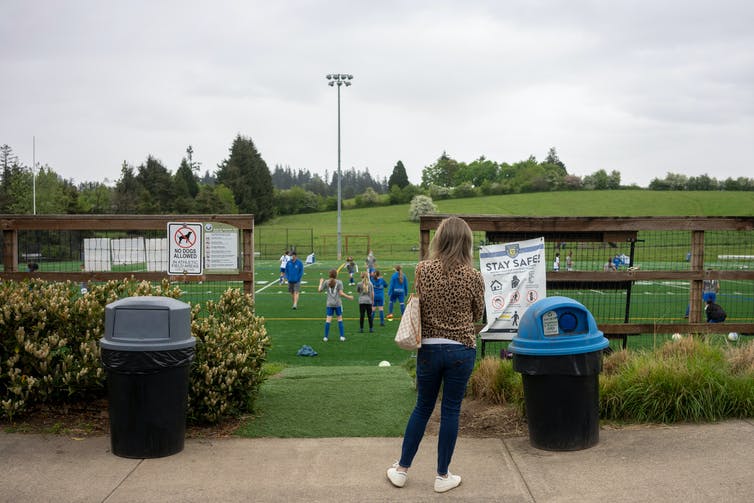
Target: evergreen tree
(7, 161)
(16, 189)
(552, 158)
(398, 177)
(185, 188)
(190, 159)
(127, 192)
(7, 157)
(208, 179)
(158, 195)
(246, 174)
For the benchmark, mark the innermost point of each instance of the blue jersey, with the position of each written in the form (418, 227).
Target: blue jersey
(379, 287)
(294, 271)
(396, 287)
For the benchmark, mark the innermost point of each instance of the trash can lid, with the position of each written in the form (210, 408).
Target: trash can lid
(556, 326)
(147, 323)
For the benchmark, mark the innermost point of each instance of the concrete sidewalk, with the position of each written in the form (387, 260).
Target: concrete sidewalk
(687, 463)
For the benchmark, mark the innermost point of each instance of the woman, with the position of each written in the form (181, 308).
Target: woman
(397, 291)
(335, 291)
(452, 299)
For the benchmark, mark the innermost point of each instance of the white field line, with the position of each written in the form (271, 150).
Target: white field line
(275, 282)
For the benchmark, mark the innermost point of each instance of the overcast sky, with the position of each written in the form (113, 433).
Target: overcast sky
(644, 87)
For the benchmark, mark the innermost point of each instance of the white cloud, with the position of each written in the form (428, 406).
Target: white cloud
(638, 86)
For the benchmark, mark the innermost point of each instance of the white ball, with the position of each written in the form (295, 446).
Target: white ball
(677, 336)
(384, 363)
(733, 336)
(84, 291)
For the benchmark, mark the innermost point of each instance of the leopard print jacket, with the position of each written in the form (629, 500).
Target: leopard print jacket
(451, 301)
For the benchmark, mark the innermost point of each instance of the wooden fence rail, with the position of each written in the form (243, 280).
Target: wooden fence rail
(625, 230)
(12, 224)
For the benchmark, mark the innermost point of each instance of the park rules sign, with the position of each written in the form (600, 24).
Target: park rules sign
(185, 241)
(514, 278)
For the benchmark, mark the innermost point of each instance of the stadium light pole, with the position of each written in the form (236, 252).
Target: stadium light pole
(333, 80)
(34, 175)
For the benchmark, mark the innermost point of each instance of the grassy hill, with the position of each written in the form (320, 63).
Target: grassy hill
(390, 224)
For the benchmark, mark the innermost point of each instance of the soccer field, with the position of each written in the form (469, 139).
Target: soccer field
(655, 301)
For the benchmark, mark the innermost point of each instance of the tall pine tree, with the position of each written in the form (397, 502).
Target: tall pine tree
(246, 174)
(399, 176)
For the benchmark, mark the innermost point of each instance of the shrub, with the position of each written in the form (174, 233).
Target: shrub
(49, 346)
(368, 199)
(438, 192)
(465, 189)
(231, 347)
(49, 340)
(403, 195)
(421, 205)
(686, 380)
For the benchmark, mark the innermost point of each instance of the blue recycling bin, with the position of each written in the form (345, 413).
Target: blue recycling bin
(558, 351)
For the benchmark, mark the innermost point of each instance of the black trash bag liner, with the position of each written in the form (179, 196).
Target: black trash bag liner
(584, 364)
(145, 362)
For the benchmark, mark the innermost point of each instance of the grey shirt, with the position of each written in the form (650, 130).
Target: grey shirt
(333, 294)
(366, 295)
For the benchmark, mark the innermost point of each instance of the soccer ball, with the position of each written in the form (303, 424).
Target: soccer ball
(733, 336)
(677, 336)
(384, 363)
(84, 290)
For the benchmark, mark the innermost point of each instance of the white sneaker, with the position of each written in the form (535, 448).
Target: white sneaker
(397, 478)
(443, 484)
(342, 339)
(324, 339)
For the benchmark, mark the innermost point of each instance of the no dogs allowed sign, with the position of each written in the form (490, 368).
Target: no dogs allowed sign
(185, 241)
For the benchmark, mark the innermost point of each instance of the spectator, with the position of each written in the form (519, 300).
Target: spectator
(452, 299)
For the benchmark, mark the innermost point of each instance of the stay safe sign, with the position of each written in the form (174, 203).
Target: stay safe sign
(514, 277)
(185, 240)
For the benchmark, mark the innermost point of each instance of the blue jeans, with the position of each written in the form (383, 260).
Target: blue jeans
(449, 365)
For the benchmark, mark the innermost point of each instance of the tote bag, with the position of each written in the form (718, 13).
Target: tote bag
(409, 335)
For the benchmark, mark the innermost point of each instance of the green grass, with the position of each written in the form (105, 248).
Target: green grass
(390, 224)
(333, 401)
(291, 329)
(341, 392)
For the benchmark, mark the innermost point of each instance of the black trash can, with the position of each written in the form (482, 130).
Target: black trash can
(558, 351)
(147, 352)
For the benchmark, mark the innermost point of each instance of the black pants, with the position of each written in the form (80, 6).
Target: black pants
(365, 309)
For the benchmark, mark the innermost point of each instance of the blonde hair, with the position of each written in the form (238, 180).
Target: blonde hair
(452, 242)
(365, 283)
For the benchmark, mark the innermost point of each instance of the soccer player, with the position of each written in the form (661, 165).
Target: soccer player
(397, 291)
(335, 291)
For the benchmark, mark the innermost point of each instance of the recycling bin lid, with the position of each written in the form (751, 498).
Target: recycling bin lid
(147, 323)
(556, 326)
